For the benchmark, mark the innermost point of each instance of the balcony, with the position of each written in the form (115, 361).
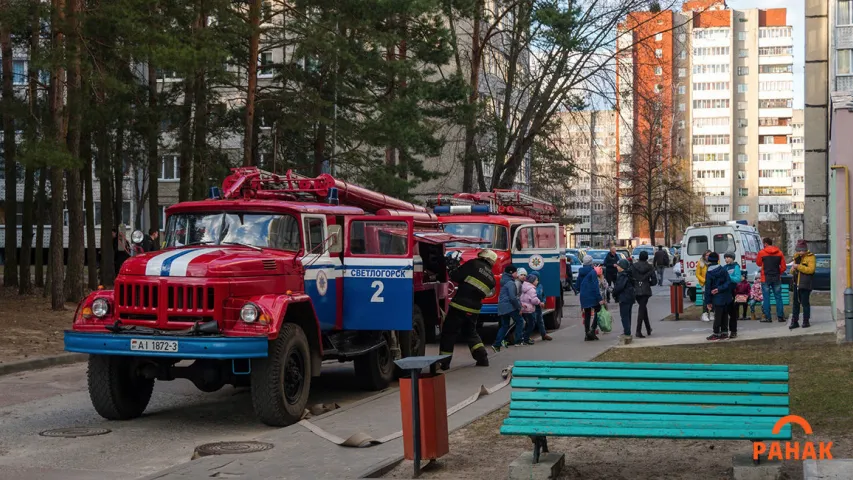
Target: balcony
(775, 130)
(697, 149)
(775, 182)
(712, 130)
(775, 59)
(784, 112)
(774, 148)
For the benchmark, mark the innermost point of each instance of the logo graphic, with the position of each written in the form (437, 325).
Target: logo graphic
(536, 262)
(792, 450)
(322, 283)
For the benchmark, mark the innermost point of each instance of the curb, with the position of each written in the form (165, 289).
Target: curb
(44, 362)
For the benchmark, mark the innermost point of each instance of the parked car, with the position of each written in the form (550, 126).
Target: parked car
(643, 248)
(674, 255)
(597, 256)
(577, 252)
(823, 271)
(625, 254)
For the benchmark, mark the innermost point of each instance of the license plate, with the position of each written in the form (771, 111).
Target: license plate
(148, 345)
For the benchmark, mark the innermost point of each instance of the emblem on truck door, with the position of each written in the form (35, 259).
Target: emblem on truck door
(536, 262)
(322, 283)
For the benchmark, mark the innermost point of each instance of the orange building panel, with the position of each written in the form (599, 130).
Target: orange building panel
(773, 17)
(702, 5)
(717, 18)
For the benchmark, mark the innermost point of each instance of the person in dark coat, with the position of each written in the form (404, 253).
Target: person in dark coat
(719, 289)
(151, 242)
(590, 298)
(644, 278)
(661, 261)
(623, 292)
(610, 272)
(509, 309)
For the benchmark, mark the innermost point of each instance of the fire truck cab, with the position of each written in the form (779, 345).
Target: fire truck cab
(262, 284)
(514, 225)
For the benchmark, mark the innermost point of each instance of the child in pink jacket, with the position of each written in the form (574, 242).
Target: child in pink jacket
(756, 296)
(529, 300)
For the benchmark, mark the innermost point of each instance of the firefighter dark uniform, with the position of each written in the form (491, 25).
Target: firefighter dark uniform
(475, 282)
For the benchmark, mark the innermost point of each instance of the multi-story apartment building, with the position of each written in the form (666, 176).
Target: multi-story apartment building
(588, 138)
(798, 172)
(829, 73)
(735, 92)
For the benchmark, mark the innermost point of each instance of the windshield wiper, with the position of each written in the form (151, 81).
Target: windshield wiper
(255, 247)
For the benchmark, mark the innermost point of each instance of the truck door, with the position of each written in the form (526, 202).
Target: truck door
(536, 248)
(378, 273)
(321, 270)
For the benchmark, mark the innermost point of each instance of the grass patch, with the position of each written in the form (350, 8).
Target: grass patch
(821, 375)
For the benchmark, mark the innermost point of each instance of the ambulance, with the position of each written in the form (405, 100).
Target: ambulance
(721, 237)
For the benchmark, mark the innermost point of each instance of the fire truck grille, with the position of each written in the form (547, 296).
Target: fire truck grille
(137, 297)
(190, 299)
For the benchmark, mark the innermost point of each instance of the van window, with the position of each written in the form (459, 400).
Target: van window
(697, 245)
(822, 262)
(724, 242)
(748, 243)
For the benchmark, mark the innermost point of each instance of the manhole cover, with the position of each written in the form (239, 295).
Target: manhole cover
(74, 432)
(231, 448)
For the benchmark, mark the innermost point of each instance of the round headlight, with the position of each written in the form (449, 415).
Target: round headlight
(137, 236)
(100, 307)
(249, 313)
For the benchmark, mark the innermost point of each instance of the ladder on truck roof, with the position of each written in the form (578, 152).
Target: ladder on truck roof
(254, 183)
(504, 202)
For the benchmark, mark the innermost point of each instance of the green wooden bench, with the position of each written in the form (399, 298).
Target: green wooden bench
(786, 296)
(646, 400)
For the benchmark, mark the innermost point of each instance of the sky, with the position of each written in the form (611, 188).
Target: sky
(796, 18)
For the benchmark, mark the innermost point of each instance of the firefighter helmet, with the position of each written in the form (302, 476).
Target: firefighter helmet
(488, 255)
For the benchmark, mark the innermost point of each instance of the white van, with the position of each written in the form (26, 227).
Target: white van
(721, 237)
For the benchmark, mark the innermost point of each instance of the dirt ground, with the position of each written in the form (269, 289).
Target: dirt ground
(821, 383)
(29, 328)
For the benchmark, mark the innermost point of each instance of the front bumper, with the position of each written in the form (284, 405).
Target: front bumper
(216, 347)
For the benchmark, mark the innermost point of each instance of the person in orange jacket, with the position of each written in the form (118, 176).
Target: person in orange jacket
(772, 263)
(802, 271)
(701, 272)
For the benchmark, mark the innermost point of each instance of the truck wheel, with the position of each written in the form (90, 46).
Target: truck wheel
(691, 293)
(375, 369)
(554, 319)
(281, 382)
(413, 342)
(117, 391)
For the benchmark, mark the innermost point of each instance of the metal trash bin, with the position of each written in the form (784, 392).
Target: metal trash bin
(676, 298)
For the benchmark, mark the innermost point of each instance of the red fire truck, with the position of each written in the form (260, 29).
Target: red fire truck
(515, 225)
(261, 283)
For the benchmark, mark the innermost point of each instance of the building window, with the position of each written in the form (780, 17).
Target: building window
(682, 89)
(703, 51)
(657, 88)
(265, 64)
(741, 175)
(844, 62)
(169, 168)
(711, 140)
(682, 107)
(741, 105)
(711, 103)
(845, 12)
(742, 122)
(658, 53)
(683, 55)
(776, 103)
(743, 53)
(742, 192)
(658, 71)
(741, 88)
(658, 37)
(743, 71)
(741, 140)
(775, 51)
(742, 209)
(682, 72)
(741, 36)
(682, 37)
(681, 124)
(719, 209)
(742, 158)
(710, 157)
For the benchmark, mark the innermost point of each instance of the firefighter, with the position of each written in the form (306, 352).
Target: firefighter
(475, 282)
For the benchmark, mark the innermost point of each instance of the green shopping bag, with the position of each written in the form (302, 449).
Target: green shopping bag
(605, 320)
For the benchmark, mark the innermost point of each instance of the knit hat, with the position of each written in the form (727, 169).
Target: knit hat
(623, 264)
(713, 258)
(532, 275)
(802, 245)
(729, 255)
(522, 271)
(510, 269)
(587, 260)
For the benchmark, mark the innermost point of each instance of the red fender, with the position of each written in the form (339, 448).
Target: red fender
(274, 309)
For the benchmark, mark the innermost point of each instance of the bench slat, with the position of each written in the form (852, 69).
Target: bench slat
(665, 408)
(707, 387)
(719, 434)
(769, 400)
(628, 374)
(699, 423)
(653, 366)
(655, 417)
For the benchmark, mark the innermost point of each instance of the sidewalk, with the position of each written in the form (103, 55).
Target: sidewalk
(299, 453)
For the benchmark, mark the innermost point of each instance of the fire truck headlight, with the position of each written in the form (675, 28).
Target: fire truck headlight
(100, 308)
(249, 313)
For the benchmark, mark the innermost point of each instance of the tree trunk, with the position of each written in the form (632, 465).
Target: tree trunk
(186, 139)
(41, 205)
(56, 250)
(91, 250)
(26, 285)
(29, 174)
(57, 176)
(153, 150)
(252, 84)
(118, 178)
(471, 155)
(105, 179)
(74, 269)
(10, 270)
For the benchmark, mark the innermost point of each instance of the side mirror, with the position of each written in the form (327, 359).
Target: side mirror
(137, 236)
(335, 240)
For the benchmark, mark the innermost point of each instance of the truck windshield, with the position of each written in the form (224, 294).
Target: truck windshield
(233, 228)
(495, 235)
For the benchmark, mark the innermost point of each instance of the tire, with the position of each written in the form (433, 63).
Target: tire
(413, 342)
(117, 392)
(555, 319)
(281, 382)
(375, 369)
(691, 293)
